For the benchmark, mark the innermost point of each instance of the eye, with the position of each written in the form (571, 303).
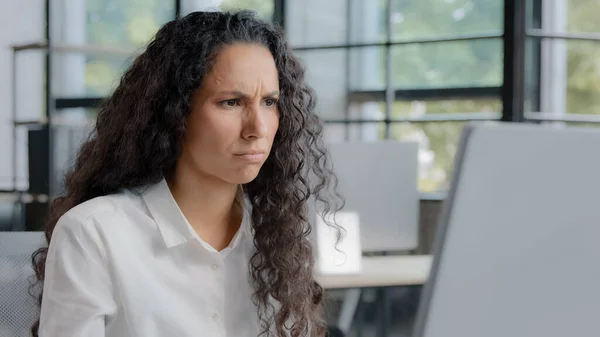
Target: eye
(230, 102)
(270, 101)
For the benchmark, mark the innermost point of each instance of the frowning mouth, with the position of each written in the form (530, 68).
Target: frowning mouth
(252, 156)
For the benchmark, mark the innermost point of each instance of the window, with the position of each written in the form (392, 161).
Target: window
(263, 8)
(453, 64)
(414, 19)
(569, 36)
(411, 70)
(98, 38)
(129, 23)
(438, 139)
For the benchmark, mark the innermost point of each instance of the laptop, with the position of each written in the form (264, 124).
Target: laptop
(518, 246)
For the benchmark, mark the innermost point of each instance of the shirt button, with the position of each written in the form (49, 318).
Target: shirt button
(215, 267)
(215, 317)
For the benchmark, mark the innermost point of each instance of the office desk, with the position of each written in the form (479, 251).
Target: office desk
(377, 272)
(383, 271)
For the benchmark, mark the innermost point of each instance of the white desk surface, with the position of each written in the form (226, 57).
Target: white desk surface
(383, 271)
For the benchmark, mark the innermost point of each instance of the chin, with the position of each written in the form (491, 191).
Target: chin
(244, 177)
(245, 180)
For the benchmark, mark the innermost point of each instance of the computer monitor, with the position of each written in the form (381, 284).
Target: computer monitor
(517, 251)
(378, 181)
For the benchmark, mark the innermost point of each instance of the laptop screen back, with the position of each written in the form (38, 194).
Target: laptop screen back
(518, 251)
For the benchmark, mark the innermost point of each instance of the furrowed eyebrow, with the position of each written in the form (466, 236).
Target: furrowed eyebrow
(244, 95)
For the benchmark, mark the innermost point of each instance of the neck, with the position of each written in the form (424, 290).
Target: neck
(209, 205)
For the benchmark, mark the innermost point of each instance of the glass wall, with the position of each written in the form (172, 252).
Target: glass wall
(407, 70)
(568, 33)
(410, 70)
(96, 40)
(264, 8)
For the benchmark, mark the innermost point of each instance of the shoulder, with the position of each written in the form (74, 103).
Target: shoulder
(112, 203)
(91, 227)
(85, 219)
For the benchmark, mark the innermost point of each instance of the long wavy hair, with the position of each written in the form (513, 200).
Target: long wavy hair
(138, 136)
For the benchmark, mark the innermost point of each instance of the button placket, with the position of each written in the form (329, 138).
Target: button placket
(217, 269)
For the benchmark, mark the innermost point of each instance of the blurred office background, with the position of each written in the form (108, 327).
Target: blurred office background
(407, 70)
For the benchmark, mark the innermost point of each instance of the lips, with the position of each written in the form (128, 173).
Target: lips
(252, 156)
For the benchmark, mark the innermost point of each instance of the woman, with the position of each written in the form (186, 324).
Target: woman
(186, 211)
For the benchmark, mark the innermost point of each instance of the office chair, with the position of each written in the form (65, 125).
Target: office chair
(18, 308)
(9, 215)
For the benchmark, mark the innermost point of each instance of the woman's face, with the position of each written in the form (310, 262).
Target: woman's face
(234, 117)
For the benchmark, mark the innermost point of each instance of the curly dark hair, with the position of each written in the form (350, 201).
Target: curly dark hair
(138, 138)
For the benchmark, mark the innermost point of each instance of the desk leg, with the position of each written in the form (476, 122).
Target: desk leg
(360, 315)
(384, 311)
(350, 305)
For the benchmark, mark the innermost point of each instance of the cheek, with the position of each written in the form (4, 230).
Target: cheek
(274, 124)
(208, 132)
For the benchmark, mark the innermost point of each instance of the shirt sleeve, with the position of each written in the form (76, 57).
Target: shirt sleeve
(78, 295)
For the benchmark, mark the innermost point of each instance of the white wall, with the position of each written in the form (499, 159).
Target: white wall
(21, 21)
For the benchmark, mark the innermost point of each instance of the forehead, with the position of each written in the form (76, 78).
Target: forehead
(243, 67)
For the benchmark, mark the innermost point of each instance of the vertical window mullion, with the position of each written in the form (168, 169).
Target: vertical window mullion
(513, 95)
(389, 90)
(348, 70)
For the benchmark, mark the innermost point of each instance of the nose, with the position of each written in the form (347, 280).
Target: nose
(255, 126)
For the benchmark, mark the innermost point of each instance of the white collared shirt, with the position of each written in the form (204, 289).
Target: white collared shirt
(130, 265)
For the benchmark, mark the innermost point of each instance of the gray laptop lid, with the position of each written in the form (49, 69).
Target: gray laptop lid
(517, 251)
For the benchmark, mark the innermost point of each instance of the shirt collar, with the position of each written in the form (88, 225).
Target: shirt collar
(172, 224)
